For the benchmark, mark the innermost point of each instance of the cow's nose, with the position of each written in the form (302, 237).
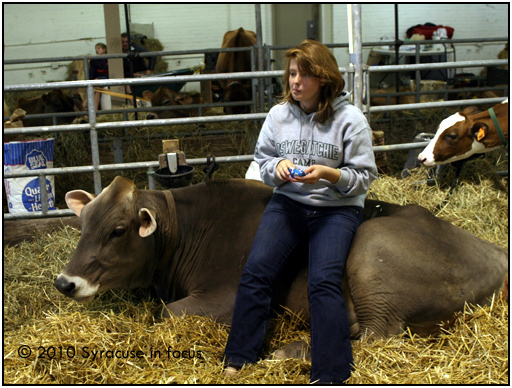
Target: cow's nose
(65, 286)
(422, 160)
(151, 116)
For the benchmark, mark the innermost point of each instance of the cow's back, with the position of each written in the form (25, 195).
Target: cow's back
(229, 62)
(410, 268)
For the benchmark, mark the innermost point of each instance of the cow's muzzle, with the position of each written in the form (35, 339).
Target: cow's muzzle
(65, 286)
(75, 287)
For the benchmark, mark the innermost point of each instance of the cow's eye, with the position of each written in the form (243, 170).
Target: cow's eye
(166, 102)
(118, 232)
(451, 136)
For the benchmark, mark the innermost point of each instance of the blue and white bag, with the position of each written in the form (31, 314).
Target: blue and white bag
(23, 193)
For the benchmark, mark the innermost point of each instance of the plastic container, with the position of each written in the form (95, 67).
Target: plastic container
(24, 193)
(182, 178)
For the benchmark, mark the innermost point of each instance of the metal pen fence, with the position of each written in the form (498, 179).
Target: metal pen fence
(93, 126)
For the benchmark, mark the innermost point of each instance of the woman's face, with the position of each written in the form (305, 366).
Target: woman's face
(100, 50)
(305, 87)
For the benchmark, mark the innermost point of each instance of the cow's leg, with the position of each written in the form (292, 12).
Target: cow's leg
(379, 327)
(215, 305)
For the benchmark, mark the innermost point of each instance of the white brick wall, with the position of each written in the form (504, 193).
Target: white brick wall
(58, 29)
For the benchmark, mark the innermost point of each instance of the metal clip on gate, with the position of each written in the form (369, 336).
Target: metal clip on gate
(211, 167)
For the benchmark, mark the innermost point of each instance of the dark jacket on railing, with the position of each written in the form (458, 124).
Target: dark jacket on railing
(139, 63)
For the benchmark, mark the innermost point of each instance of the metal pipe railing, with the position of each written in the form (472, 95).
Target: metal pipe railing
(151, 166)
(440, 65)
(241, 49)
(434, 104)
(443, 65)
(122, 55)
(94, 127)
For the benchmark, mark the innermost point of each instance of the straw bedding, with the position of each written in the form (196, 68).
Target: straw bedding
(120, 338)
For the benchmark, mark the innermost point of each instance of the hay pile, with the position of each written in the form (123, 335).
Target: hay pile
(141, 348)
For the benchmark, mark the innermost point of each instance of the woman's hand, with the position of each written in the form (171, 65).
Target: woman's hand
(282, 170)
(317, 172)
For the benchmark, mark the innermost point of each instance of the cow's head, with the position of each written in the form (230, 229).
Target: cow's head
(57, 101)
(457, 138)
(234, 92)
(117, 242)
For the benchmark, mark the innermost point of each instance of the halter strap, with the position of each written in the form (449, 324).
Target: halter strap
(498, 128)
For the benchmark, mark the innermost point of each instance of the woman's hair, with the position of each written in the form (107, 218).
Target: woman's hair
(317, 60)
(102, 45)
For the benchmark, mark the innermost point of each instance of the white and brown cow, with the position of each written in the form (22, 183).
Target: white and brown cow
(406, 268)
(464, 134)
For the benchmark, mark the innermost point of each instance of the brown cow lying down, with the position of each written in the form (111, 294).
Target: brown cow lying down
(406, 267)
(55, 101)
(392, 100)
(167, 97)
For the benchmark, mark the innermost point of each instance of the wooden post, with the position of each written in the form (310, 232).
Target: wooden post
(113, 32)
(171, 146)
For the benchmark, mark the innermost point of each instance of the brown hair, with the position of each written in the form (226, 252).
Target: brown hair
(316, 59)
(102, 45)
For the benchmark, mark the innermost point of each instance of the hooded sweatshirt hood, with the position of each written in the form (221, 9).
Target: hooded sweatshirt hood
(344, 141)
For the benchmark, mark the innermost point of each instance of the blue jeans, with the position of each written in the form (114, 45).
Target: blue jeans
(284, 225)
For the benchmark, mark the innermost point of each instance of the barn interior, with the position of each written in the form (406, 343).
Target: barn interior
(370, 42)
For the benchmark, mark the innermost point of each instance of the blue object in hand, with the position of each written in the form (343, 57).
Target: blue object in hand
(295, 173)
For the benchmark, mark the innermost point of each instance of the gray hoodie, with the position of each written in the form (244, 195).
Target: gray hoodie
(344, 141)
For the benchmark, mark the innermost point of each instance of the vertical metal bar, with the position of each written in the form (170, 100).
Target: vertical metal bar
(43, 193)
(357, 56)
(90, 103)
(397, 50)
(368, 92)
(350, 82)
(130, 60)
(118, 150)
(254, 82)
(94, 139)
(418, 72)
(151, 179)
(268, 81)
(86, 69)
(259, 37)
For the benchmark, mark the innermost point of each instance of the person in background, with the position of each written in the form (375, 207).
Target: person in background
(140, 67)
(98, 69)
(314, 130)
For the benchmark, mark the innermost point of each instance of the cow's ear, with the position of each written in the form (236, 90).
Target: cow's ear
(479, 130)
(147, 222)
(470, 110)
(77, 199)
(147, 94)
(183, 100)
(44, 98)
